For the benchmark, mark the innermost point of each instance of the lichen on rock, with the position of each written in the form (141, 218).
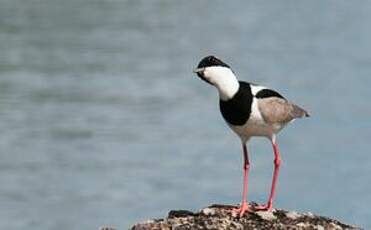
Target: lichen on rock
(223, 217)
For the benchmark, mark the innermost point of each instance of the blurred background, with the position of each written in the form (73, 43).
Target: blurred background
(103, 122)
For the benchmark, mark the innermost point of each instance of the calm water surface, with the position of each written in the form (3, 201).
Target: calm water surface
(103, 123)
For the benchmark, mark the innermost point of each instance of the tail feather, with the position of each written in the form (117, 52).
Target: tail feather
(298, 112)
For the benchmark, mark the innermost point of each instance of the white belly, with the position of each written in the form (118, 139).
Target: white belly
(256, 126)
(251, 129)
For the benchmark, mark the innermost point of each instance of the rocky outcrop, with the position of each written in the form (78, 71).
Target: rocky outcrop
(222, 217)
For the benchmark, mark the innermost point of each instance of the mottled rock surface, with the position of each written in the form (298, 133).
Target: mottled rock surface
(222, 217)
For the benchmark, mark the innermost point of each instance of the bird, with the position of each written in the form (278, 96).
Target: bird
(250, 110)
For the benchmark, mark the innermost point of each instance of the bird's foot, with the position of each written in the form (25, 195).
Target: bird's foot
(242, 209)
(266, 207)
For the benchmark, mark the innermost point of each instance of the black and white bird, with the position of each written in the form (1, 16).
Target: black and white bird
(249, 110)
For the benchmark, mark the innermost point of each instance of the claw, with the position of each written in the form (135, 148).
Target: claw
(266, 207)
(242, 209)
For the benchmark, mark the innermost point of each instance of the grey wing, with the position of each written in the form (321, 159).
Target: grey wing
(279, 110)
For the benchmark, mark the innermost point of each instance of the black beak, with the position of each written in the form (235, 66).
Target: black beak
(200, 74)
(198, 70)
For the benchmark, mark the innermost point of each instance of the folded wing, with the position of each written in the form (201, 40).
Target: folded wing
(279, 110)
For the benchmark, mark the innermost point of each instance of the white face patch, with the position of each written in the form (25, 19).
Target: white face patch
(223, 79)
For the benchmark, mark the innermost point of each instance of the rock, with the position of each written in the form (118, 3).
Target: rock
(180, 213)
(222, 217)
(294, 215)
(106, 228)
(266, 215)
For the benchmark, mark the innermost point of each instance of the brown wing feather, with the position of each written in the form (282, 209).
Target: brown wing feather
(279, 110)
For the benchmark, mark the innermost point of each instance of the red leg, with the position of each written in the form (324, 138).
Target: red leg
(277, 162)
(246, 166)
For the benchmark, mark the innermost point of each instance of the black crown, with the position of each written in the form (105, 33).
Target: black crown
(211, 61)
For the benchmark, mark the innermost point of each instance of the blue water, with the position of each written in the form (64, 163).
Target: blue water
(103, 123)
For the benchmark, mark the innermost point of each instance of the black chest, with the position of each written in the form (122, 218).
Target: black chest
(236, 111)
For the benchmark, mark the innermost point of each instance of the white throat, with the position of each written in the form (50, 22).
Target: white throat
(224, 80)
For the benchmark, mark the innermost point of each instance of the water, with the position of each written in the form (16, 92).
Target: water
(103, 123)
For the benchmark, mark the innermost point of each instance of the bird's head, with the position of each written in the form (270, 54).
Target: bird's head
(217, 73)
(212, 70)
